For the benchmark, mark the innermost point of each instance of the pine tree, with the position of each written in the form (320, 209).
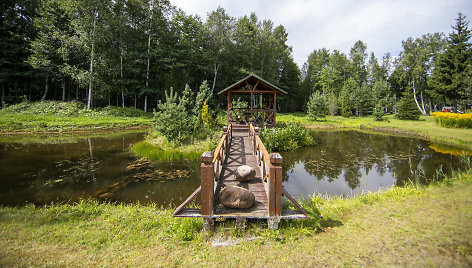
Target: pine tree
(407, 109)
(450, 80)
(317, 105)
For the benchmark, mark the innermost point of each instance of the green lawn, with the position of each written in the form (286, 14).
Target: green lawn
(411, 226)
(425, 128)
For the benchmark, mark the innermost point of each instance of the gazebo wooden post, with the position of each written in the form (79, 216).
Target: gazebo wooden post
(275, 105)
(230, 107)
(253, 86)
(252, 102)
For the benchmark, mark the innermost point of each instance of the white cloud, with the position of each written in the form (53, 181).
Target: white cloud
(335, 24)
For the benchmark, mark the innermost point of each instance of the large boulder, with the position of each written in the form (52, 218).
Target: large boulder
(236, 197)
(245, 173)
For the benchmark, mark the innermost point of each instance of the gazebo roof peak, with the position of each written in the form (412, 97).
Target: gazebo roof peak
(253, 79)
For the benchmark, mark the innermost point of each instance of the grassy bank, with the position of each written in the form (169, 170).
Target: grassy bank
(410, 226)
(54, 116)
(156, 147)
(425, 128)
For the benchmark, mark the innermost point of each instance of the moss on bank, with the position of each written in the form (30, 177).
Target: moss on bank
(412, 226)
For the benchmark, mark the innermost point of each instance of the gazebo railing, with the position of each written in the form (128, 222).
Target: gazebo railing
(259, 116)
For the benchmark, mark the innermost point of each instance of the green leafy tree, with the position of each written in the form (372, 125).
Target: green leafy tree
(346, 107)
(358, 56)
(317, 105)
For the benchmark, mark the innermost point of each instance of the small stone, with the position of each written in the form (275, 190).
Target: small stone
(236, 197)
(245, 173)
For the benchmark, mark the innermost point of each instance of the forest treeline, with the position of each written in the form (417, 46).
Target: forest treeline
(129, 52)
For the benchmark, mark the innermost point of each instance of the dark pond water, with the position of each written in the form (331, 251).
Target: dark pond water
(96, 167)
(342, 163)
(351, 162)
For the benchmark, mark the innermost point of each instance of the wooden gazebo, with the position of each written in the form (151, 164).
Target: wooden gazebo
(261, 99)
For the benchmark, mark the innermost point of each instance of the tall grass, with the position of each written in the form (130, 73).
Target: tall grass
(153, 152)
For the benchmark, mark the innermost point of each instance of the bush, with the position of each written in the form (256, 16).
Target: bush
(286, 137)
(407, 109)
(172, 119)
(317, 105)
(58, 108)
(453, 120)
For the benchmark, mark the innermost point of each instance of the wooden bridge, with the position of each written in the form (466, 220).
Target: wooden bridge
(241, 145)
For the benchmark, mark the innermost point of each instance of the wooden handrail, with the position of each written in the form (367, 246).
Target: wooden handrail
(262, 148)
(271, 171)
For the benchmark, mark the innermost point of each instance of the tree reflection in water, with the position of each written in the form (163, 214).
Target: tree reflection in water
(345, 162)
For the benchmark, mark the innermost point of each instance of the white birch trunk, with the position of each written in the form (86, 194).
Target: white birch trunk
(216, 66)
(46, 88)
(121, 80)
(89, 98)
(416, 99)
(63, 89)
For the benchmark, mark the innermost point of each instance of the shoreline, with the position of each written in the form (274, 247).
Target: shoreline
(74, 131)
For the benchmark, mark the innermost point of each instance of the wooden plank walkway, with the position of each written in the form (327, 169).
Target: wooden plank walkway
(241, 152)
(236, 148)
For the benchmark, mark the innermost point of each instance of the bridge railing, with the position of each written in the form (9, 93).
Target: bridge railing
(271, 172)
(211, 168)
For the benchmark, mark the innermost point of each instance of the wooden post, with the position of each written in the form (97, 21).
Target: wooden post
(230, 107)
(254, 141)
(225, 132)
(275, 105)
(249, 128)
(275, 185)
(207, 186)
(207, 183)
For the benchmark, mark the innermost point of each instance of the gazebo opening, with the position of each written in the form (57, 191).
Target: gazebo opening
(252, 99)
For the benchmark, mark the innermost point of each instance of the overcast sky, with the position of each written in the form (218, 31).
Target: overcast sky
(338, 24)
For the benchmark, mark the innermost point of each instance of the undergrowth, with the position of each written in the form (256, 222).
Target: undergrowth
(59, 116)
(287, 137)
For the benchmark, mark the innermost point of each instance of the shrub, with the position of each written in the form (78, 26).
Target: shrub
(317, 105)
(286, 137)
(453, 120)
(407, 109)
(172, 119)
(58, 108)
(206, 116)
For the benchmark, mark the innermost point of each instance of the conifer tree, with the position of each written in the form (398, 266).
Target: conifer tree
(450, 79)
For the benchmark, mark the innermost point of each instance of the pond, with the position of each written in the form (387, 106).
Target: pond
(102, 167)
(346, 163)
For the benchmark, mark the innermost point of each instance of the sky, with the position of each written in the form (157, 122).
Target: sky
(338, 24)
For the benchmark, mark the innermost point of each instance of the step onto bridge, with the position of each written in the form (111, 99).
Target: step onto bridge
(241, 145)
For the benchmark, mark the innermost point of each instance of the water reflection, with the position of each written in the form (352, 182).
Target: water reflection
(67, 172)
(349, 162)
